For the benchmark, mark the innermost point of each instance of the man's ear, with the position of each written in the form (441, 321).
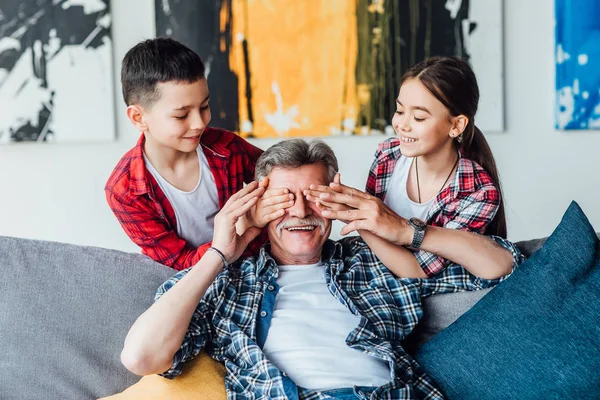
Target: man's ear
(135, 113)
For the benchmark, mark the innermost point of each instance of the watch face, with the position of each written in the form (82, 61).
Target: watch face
(417, 223)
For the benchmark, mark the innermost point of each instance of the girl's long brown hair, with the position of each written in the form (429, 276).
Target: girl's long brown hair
(452, 81)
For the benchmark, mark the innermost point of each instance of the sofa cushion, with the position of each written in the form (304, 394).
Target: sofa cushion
(201, 379)
(439, 312)
(64, 314)
(534, 336)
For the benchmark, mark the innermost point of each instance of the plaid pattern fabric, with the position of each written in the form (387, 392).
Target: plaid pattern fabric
(225, 321)
(146, 214)
(469, 202)
(454, 278)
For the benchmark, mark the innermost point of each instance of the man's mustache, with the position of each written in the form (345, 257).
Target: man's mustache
(310, 220)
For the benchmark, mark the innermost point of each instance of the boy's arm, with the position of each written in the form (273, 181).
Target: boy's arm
(157, 335)
(157, 239)
(251, 155)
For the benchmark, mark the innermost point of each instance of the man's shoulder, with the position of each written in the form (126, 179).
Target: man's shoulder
(354, 247)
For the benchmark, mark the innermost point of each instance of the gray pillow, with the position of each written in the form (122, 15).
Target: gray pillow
(439, 312)
(64, 313)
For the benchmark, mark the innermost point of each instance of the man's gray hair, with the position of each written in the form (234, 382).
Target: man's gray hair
(294, 153)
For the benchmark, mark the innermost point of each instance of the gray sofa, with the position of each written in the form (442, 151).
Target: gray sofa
(65, 311)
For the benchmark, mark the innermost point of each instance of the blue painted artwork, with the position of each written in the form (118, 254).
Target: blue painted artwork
(578, 64)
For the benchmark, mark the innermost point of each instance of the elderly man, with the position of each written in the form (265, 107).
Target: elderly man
(306, 318)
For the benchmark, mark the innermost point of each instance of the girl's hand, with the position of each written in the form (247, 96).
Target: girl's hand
(361, 211)
(270, 206)
(318, 193)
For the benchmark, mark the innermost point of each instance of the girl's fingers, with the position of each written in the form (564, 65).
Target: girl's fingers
(339, 188)
(346, 215)
(358, 225)
(343, 198)
(312, 195)
(320, 188)
(331, 206)
(348, 228)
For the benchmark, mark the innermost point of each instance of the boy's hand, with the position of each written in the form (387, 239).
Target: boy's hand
(225, 237)
(270, 206)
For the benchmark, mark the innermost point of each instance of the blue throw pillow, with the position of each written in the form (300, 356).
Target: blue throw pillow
(537, 335)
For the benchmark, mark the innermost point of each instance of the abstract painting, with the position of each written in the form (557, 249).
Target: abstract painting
(577, 64)
(56, 73)
(289, 68)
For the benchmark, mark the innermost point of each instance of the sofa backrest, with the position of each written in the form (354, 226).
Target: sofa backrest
(64, 314)
(65, 311)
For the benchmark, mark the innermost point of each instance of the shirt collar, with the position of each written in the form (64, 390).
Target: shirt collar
(465, 177)
(389, 150)
(139, 182)
(330, 254)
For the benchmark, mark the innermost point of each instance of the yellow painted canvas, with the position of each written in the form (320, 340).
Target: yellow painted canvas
(289, 68)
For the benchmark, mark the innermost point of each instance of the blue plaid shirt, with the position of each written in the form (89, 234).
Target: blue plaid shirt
(232, 320)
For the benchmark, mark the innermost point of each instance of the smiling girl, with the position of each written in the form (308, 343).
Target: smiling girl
(432, 186)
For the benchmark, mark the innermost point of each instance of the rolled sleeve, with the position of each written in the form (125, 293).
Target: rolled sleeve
(518, 258)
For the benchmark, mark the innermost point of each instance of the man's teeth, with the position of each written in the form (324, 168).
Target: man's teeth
(408, 140)
(302, 228)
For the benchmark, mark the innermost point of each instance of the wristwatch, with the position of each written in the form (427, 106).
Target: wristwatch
(419, 228)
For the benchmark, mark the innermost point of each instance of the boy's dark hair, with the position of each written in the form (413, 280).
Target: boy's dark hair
(153, 61)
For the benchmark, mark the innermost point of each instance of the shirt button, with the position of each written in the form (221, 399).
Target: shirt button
(285, 374)
(271, 287)
(263, 313)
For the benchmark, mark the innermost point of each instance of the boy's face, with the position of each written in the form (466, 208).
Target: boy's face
(180, 115)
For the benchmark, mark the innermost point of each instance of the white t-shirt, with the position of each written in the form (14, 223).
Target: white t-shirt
(396, 196)
(307, 336)
(195, 211)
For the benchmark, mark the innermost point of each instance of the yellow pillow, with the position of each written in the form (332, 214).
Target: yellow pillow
(202, 378)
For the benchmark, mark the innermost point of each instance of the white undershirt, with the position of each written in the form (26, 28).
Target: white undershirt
(195, 211)
(396, 196)
(307, 336)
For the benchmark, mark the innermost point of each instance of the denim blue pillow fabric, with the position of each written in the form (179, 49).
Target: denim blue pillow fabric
(537, 335)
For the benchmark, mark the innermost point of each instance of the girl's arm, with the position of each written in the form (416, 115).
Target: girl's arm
(387, 234)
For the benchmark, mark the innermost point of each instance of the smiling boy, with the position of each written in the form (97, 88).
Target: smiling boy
(166, 190)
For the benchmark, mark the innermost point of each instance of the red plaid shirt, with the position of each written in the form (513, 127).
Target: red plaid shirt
(469, 202)
(147, 215)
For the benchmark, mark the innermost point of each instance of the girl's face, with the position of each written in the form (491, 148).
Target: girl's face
(422, 123)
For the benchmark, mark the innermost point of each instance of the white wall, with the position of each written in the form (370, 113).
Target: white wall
(60, 197)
